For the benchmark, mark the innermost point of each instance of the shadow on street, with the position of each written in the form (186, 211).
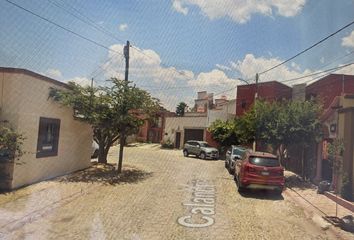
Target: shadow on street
(107, 175)
(294, 181)
(197, 158)
(260, 194)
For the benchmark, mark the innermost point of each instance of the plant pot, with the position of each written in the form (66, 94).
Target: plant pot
(6, 174)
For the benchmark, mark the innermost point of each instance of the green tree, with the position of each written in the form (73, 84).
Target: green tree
(281, 124)
(110, 110)
(224, 132)
(181, 108)
(10, 143)
(335, 157)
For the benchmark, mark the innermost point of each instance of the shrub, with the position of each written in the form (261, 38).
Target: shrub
(167, 144)
(346, 190)
(10, 143)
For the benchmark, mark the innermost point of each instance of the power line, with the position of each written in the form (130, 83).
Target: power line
(307, 49)
(110, 34)
(325, 72)
(317, 73)
(64, 28)
(88, 21)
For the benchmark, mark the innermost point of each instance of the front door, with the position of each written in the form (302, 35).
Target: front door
(178, 140)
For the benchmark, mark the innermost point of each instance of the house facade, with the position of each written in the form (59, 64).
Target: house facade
(194, 125)
(327, 88)
(269, 91)
(152, 129)
(189, 127)
(55, 143)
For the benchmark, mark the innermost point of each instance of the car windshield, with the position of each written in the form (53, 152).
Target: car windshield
(204, 145)
(265, 162)
(237, 152)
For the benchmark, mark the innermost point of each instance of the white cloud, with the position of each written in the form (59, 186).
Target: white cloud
(177, 5)
(348, 41)
(83, 81)
(223, 67)
(145, 66)
(213, 82)
(53, 73)
(346, 70)
(123, 27)
(251, 65)
(215, 77)
(240, 11)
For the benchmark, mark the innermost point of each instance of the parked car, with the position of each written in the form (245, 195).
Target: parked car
(259, 170)
(200, 149)
(94, 152)
(232, 154)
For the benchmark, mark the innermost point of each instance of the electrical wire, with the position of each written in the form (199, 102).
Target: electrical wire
(307, 49)
(63, 28)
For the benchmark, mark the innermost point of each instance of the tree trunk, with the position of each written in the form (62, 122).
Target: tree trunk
(121, 148)
(102, 154)
(303, 162)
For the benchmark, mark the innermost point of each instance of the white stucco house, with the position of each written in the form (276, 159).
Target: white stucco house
(55, 143)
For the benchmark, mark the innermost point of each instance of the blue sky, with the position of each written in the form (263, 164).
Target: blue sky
(212, 42)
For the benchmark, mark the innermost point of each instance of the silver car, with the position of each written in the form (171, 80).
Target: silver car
(200, 149)
(234, 153)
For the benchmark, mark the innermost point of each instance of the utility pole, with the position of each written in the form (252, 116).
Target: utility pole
(122, 129)
(255, 99)
(256, 94)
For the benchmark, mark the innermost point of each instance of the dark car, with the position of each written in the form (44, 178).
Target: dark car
(232, 154)
(259, 170)
(200, 149)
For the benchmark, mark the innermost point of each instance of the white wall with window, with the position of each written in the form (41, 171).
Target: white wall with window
(55, 143)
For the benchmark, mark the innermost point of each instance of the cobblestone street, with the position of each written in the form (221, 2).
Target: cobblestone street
(158, 191)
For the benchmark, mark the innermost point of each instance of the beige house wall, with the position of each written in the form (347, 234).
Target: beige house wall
(23, 101)
(178, 124)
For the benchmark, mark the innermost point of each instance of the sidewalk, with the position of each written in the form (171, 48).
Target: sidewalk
(315, 205)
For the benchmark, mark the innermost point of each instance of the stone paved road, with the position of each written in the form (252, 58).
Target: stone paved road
(148, 205)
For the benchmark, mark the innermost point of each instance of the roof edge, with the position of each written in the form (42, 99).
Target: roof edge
(33, 74)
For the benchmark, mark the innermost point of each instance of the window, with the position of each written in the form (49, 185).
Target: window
(266, 162)
(204, 145)
(159, 122)
(48, 137)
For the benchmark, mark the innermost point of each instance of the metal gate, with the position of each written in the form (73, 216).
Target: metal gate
(193, 134)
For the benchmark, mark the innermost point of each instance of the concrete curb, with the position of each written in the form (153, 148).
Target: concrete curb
(314, 214)
(344, 203)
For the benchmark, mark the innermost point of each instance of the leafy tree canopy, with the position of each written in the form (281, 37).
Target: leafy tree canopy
(109, 110)
(181, 108)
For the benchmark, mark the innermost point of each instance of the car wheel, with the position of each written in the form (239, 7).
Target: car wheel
(229, 170)
(240, 189)
(202, 155)
(226, 165)
(278, 192)
(185, 153)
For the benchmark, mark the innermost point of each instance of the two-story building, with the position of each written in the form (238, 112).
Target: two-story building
(270, 91)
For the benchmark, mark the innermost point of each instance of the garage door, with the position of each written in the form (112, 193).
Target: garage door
(193, 134)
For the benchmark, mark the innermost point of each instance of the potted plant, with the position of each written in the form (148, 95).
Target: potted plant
(10, 151)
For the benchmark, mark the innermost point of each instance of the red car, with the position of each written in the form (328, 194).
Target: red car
(259, 170)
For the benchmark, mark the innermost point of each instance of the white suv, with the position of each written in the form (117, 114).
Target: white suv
(200, 149)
